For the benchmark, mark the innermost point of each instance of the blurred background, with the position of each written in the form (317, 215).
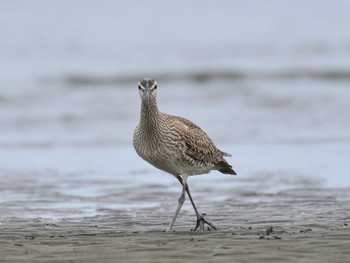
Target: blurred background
(268, 80)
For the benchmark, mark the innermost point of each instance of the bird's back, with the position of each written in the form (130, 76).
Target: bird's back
(198, 150)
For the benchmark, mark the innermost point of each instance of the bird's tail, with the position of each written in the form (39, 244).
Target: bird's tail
(225, 168)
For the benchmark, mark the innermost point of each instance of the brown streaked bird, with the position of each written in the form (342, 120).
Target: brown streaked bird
(176, 146)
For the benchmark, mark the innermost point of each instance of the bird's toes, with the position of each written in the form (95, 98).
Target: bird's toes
(200, 224)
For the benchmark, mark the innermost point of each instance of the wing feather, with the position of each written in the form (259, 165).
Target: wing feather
(198, 145)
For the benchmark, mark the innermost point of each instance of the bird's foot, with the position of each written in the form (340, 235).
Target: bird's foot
(200, 224)
(169, 230)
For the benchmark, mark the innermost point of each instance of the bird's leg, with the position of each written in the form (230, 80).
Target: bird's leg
(200, 217)
(179, 205)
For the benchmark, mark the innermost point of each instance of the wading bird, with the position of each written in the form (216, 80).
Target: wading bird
(176, 146)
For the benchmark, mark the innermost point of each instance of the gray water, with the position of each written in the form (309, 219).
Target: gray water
(267, 80)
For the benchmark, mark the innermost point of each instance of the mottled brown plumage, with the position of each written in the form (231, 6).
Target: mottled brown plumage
(175, 145)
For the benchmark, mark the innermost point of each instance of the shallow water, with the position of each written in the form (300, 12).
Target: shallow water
(68, 182)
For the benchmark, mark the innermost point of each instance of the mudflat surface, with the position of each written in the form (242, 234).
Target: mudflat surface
(310, 225)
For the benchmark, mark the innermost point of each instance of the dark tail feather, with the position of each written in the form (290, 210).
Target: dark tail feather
(225, 168)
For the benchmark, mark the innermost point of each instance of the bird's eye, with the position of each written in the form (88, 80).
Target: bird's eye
(155, 87)
(140, 87)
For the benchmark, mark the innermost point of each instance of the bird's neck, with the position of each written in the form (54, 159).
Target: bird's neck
(149, 115)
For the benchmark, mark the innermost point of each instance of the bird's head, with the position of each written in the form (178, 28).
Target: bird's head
(148, 91)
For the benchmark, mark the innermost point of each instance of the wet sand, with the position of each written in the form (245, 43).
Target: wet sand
(300, 225)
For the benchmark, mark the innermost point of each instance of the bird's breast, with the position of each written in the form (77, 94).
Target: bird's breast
(161, 153)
